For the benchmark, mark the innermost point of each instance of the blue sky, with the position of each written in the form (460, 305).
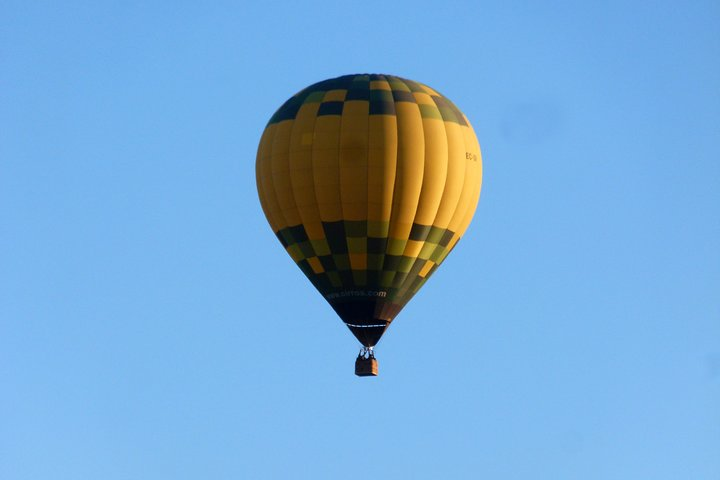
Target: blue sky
(152, 327)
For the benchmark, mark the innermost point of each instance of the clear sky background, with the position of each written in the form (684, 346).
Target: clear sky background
(152, 327)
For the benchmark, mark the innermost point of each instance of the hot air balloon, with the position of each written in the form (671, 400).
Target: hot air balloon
(368, 181)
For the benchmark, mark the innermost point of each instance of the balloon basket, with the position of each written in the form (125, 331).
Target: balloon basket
(365, 364)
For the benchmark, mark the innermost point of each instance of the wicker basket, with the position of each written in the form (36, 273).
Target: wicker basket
(366, 367)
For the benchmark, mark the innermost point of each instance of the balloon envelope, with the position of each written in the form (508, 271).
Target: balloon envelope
(368, 181)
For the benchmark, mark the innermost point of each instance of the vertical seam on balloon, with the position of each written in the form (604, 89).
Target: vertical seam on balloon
(447, 161)
(470, 209)
(262, 194)
(367, 181)
(287, 153)
(465, 185)
(367, 185)
(395, 186)
(312, 167)
(402, 289)
(317, 200)
(383, 259)
(382, 255)
(425, 162)
(392, 193)
(292, 187)
(340, 189)
(419, 193)
(271, 182)
(280, 209)
(393, 210)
